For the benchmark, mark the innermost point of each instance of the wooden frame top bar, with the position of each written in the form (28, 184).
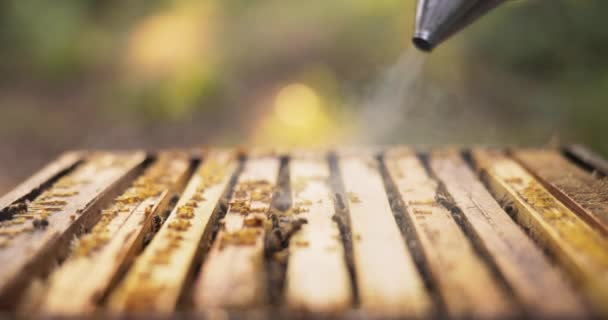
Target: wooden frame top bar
(50, 172)
(364, 232)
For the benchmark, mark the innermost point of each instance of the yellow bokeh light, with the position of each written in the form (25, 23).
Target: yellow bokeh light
(298, 116)
(297, 105)
(173, 40)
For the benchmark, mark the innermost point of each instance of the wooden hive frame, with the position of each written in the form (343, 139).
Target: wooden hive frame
(386, 232)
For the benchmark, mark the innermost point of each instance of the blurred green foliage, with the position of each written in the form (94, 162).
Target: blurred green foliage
(559, 48)
(95, 74)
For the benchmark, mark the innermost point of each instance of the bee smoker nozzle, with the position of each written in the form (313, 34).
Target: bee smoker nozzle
(437, 20)
(422, 42)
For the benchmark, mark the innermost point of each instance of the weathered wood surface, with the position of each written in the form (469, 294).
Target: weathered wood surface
(442, 216)
(317, 275)
(536, 284)
(32, 239)
(580, 249)
(62, 164)
(447, 251)
(233, 272)
(156, 281)
(579, 190)
(386, 276)
(98, 257)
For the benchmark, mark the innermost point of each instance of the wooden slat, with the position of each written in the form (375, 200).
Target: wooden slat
(233, 272)
(589, 158)
(156, 280)
(77, 286)
(387, 278)
(317, 275)
(447, 251)
(534, 281)
(62, 164)
(33, 239)
(582, 250)
(578, 189)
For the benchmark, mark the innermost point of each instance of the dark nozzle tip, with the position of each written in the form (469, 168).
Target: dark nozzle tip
(422, 44)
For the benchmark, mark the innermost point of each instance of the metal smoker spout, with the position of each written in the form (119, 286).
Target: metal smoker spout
(437, 20)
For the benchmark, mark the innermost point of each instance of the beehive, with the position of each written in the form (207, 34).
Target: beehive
(374, 232)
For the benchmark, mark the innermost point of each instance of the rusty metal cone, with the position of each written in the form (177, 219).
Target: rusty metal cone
(437, 20)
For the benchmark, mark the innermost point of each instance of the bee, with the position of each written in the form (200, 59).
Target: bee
(192, 203)
(157, 222)
(298, 209)
(254, 221)
(301, 243)
(172, 235)
(17, 207)
(515, 180)
(52, 203)
(421, 202)
(198, 197)
(41, 223)
(179, 224)
(65, 194)
(422, 212)
(304, 203)
(185, 212)
(353, 197)
(126, 199)
(147, 211)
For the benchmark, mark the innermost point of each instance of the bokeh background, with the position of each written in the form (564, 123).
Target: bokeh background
(153, 74)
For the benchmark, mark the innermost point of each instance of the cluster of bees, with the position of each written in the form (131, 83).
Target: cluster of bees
(30, 216)
(161, 176)
(421, 208)
(254, 190)
(241, 237)
(210, 175)
(252, 199)
(146, 291)
(245, 194)
(298, 208)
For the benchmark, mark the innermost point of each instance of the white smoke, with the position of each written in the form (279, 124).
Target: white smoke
(391, 97)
